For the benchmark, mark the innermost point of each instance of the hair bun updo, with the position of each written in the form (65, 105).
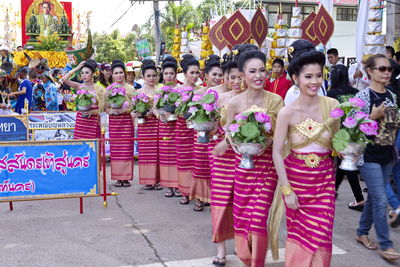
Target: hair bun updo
(117, 63)
(303, 53)
(211, 62)
(148, 64)
(90, 64)
(169, 62)
(187, 61)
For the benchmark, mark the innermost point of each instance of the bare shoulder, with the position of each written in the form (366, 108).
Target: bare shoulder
(286, 111)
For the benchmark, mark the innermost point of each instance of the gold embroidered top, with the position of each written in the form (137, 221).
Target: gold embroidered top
(311, 132)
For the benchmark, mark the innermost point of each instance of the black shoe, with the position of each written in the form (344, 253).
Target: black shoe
(126, 183)
(118, 183)
(355, 206)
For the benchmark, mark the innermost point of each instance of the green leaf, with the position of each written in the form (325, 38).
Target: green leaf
(340, 140)
(250, 130)
(140, 107)
(173, 97)
(208, 98)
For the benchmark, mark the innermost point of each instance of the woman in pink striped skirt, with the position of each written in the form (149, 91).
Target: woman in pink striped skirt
(121, 126)
(306, 176)
(87, 125)
(223, 169)
(167, 142)
(253, 188)
(149, 173)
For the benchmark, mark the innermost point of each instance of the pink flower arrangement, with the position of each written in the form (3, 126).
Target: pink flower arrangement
(206, 107)
(234, 128)
(141, 103)
(262, 117)
(116, 95)
(84, 97)
(356, 124)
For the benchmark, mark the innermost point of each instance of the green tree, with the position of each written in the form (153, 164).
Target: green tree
(109, 47)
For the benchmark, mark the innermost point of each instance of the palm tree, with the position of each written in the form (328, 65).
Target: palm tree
(183, 16)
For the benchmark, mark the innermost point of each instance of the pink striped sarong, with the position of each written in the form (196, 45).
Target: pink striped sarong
(309, 240)
(184, 155)
(121, 152)
(87, 128)
(148, 152)
(200, 187)
(167, 154)
(222, 181)
(253, 194)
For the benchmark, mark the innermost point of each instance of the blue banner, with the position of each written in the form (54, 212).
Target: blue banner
(46, 170)
(13, 128)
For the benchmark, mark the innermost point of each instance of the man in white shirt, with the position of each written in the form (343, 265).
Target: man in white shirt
(358, 77)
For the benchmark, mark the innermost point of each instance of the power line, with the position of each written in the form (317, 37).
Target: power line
(132, 3)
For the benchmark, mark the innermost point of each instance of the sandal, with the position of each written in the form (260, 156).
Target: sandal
(356, 206)
(363, 239)
(184, 201)
(126, 183)
(220, 261)
(157, 187)
(198, 207)
(169, 193)
(178, 193)
(389, 254)
(118, 183)
(148, 187)
(206, 204)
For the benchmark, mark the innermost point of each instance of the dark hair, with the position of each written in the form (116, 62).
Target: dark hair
(370, 63)
(23, 70)
(32, 74)
(303, 53)
(396, 71)
(187, 61)
(90, 64)
(148, 64)
(48, 3)
(278, 61)
(390, 49)
(103, 80)
(169, 62)
(397, 55)
(117, 64)
(340, 77)
(246, 56)
(212, 62)
(333, 51)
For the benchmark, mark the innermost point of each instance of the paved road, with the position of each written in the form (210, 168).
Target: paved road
(140, 228)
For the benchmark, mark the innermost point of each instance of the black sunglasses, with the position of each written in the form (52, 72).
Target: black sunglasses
(383, 69)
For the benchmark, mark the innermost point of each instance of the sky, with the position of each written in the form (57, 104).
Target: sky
(105, 14)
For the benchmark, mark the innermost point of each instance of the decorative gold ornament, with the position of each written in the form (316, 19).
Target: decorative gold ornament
(312, 160)
(286, 189)
(309, 128)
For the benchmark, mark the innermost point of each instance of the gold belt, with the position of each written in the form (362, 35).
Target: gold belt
(311, 160)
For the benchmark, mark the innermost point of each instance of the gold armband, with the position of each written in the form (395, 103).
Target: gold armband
(286, 189)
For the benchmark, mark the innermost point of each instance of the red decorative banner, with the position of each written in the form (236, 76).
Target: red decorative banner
(259, 27)
(307, 27)
(215, 34)
(236, 29)
(323, 25)
(56, 10)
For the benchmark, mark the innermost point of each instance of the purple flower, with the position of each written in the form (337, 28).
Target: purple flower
(192, 109)
(239, 117)
(142, 95)
(166, 97)
(166, 88)
(357, 102)
(208, 107)
(361, 115)
(267, 126)
(125, 105)
(262, 117)
(157, 96)
(187, 89)
(234, 128)
(350, 122)
(145, 99)
(185, 97)
(214, 93)
(113, 93)
(337, 113)
(369, 128)
(196, 98)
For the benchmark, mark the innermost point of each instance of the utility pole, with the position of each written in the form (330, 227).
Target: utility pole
(392, 22)
(157, 28)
